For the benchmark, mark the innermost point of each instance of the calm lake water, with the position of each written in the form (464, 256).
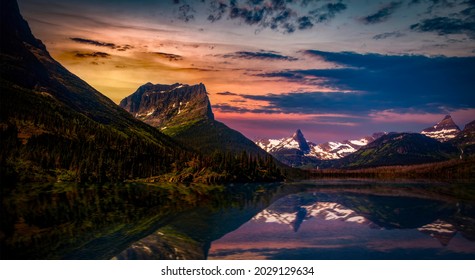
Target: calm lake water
(325, 219)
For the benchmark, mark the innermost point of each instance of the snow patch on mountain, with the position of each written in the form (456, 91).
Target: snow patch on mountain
(296, 141)
(443, 131)
(440, 230)
(329, 211)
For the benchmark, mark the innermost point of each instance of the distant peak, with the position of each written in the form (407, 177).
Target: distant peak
(298, 136)
(443, 131)
(447, 120)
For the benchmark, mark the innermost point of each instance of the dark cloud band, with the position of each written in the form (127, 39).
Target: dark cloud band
(364, 83)
(446, 25)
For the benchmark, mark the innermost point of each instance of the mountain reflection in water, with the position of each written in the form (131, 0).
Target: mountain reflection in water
(316, 225)
(334, 219)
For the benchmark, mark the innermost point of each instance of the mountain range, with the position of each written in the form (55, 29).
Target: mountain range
(297, 210)
(322, 151)
(440, 142)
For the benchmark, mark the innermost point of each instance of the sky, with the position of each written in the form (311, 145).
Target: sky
(336, 69)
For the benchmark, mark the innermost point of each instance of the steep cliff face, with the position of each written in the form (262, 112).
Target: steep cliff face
(169, 106)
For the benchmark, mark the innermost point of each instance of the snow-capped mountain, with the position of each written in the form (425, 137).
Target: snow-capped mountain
(443, 131)
(337, 150)
(296, 141)
(323, 151)
(321, 210)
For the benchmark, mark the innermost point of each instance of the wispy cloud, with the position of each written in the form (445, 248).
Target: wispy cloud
(327, 11)
(169, 56)
(92, 55)
(382, 14)
(93, 42)
(461, 21)
(437, 4)
(264, 55)
(278, 15)
(102, 44)
(313, 102)
(227, 93)
(446, 25)
(395, 34)
(196, 69)
(186, 13)
(228, 108)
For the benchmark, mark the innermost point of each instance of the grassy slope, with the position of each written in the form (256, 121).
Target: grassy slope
(209, 135)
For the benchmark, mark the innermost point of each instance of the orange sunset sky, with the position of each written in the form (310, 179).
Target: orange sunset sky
(335, 69)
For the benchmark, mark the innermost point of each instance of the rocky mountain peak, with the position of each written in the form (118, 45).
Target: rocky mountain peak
(298, 134)
(169, 105)
(303, 145)
(14, 26)
(443, 131)
(447, 121)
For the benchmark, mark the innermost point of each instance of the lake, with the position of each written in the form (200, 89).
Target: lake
(324, 219)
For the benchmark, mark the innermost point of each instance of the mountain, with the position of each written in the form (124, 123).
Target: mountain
(184, 112)
(465, 140)
(296, 141)
(296, 215)
(292, 150)
(297, 151)
(169, 107)
(399, 149)
(443, 131)
(54, 126)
